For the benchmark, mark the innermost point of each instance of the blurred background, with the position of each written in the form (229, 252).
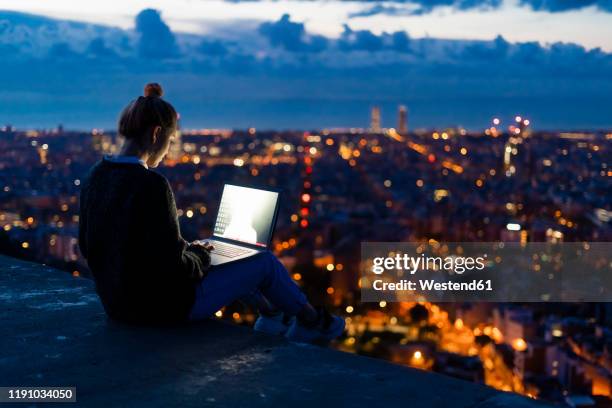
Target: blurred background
(416, 121)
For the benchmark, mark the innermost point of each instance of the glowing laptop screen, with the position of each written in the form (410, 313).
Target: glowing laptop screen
(246, 214)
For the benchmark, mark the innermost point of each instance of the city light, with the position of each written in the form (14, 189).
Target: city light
(519, 344)
(424, 186)
(511, 226)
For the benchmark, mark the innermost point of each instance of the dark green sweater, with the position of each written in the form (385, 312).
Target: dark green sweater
(145, 272)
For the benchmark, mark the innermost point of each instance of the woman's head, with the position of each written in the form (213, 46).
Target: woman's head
(149, 123)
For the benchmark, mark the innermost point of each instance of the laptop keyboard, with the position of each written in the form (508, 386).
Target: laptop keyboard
(229, 251)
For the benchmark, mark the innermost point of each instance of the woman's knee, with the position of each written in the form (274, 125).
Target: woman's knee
(270, 266)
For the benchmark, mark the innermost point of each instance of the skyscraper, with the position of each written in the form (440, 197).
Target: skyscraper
(402, 120)
(375, 120)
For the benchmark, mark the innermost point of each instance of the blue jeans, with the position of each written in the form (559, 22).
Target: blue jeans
(232, 281)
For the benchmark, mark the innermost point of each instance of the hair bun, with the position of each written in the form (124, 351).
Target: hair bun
(153, 89)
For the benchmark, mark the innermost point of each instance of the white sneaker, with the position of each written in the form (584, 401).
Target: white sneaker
(276, 325)
(327, 328)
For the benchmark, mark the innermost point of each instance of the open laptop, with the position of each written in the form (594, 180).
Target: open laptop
(245, 223)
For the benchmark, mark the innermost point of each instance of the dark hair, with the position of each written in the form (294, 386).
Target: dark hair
(145, 113)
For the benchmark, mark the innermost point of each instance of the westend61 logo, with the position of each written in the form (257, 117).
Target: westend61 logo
(481, 271)
(412, 264)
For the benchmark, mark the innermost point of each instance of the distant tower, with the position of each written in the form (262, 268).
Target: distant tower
(402, 120)
(375, 120)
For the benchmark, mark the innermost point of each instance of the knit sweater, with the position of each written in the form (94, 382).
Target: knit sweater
(144, 271)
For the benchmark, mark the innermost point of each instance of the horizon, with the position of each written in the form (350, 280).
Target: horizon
(331, 129)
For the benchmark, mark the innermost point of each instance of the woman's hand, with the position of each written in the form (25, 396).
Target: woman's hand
(204, 244)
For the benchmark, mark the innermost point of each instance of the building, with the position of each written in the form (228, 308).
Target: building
(375, 120)
(402, 120)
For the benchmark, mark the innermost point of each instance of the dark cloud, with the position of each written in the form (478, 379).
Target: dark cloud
(427, 6)
(529, 53)
(292, 36)
(416, 7)
(377, 9)
(362, 40)
(62, 50)
(365, 40)
(413, 7)
(97, 47)
(557, 6)
(531, 57)
(212, 47)
(400, 41)
(483, 50)
(156, 39)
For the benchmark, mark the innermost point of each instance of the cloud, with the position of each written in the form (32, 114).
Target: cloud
(418, 7)
(360, 40)
(62, 50)
(292, 36)
(270, 75)
(156, 39)
(30, 35)
(494, 50)
(98, 48)
(412, 7)
(400, 41)
(558, 6)
(212, 47)
(381, 9)
(365, 40)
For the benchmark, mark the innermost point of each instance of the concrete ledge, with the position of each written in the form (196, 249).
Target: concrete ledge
(55, 333)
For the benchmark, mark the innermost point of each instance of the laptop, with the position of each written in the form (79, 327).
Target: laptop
(245, 223)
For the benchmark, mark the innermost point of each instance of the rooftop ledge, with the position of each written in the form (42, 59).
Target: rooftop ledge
(55, 333)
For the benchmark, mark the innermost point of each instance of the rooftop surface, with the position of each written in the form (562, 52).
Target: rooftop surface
(55, 333)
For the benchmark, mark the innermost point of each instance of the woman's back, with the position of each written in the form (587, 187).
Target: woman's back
(129, 235)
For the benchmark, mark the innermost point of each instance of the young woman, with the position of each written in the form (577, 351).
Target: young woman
(145, 272)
